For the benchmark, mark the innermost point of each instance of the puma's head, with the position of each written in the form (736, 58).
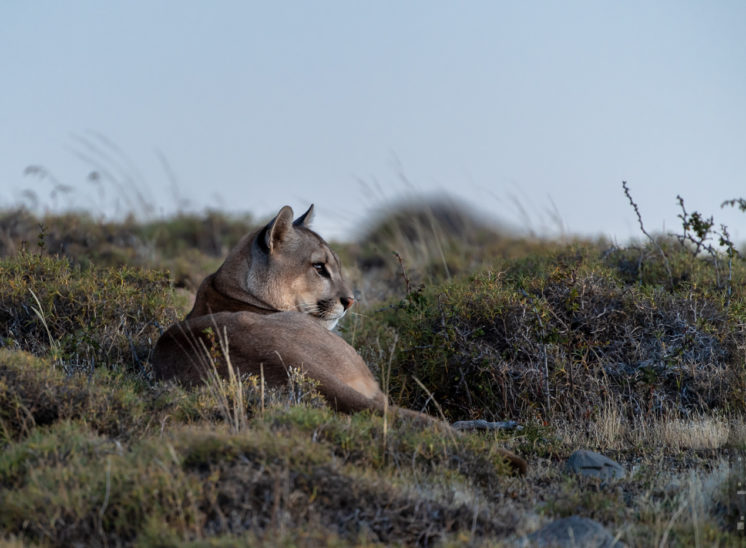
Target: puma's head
(285, 266)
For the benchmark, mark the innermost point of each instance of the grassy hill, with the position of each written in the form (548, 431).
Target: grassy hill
(637, 352)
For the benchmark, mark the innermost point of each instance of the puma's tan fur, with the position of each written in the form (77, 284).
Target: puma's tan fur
(276, 297)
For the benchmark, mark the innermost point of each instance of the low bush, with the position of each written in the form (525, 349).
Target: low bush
(189, 245)
(85, 316)
(563, 334)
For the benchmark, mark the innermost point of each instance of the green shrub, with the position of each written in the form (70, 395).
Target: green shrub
(484, 344)
(189, 245)
(88, 317)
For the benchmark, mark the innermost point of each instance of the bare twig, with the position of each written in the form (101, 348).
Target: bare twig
(437, 405)
(543, 351)
(645, 232)
(403, 272)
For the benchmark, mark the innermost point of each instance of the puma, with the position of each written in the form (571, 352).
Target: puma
(276, 297)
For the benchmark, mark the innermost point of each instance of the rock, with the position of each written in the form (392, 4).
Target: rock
(594, 465)
(574, 531)
(484, 425)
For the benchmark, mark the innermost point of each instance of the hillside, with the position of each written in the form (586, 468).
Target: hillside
(636, 352)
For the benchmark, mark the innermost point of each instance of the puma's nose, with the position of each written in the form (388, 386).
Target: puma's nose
(347, 302)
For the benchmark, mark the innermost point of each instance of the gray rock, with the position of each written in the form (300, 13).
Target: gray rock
(484, 425)
(594, 465)
(573, 532)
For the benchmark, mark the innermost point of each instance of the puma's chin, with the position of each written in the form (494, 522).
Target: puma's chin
(330, 322)
(325, 312)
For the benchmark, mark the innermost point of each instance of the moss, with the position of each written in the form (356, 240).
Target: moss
(34, 392)
(70, 484)
(76, 487)
(360, 440)
(585, 497)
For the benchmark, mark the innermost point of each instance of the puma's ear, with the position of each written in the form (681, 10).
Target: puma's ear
(278, 228)
(305, 219)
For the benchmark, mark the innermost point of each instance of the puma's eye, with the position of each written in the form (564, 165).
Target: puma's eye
(321, 269)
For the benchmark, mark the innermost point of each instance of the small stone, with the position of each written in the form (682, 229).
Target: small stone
(573, 531)
(594, 465)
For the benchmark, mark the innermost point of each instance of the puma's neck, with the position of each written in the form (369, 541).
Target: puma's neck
(211, 300)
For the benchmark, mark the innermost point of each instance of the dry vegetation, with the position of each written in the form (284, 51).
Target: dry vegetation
(637, 352)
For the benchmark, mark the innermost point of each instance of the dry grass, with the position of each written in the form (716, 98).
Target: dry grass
(228, 390)
(698, 433)
(425, 241)
(612, 431)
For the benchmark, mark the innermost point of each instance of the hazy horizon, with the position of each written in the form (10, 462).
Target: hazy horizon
(532, 113)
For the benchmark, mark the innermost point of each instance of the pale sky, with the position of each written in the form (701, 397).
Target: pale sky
(254, 105)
